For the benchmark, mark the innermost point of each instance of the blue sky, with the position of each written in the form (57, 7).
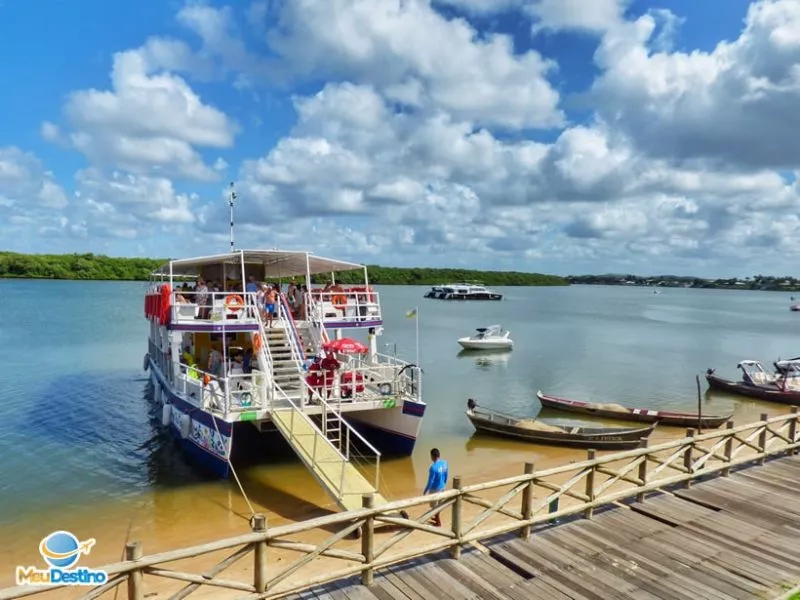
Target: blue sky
(543, 135)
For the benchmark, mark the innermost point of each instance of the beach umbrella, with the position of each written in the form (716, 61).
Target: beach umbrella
(346, 346)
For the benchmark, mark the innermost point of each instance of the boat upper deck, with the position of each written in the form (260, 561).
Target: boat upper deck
(222, 292)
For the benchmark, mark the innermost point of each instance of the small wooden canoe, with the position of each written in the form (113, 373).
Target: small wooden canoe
(538, 432)
(642, 415)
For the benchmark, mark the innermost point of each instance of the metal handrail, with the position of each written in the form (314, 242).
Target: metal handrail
(319, 300)
(284, 308)
(330, 408)
(267, 354)
(313, 426)
(249, 302)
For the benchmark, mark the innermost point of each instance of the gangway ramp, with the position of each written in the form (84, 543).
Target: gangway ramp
(332, 468)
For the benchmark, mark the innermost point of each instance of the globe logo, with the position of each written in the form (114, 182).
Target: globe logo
(62, 550)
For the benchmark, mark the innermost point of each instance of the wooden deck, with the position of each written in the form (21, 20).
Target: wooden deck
(726, 538)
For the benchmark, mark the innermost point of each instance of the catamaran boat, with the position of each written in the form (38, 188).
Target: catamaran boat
(492, 337)
(462, 291)
(222, 367)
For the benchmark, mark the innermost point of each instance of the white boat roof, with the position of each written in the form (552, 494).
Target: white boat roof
(276, 263)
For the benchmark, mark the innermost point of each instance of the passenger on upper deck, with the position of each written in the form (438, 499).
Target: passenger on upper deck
(270, 299)
(300, 309)
(252, 286)
(203, 299)
(291, 296)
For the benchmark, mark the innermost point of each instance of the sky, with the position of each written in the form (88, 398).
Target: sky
(559, 136)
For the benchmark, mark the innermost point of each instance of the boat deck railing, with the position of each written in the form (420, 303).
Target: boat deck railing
(222, 396)
(234, 308)
(352, 305)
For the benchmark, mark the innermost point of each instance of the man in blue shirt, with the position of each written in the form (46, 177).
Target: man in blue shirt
(437, 480)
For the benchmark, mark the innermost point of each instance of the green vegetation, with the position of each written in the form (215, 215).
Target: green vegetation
(429, 276)
(757, 282)
(92, 266)
(75, 266)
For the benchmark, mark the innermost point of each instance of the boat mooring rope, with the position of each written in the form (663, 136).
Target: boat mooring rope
(235, 475)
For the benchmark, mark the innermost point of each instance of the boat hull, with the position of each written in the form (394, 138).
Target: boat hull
(393, 431)
(468, 344)
(753, 391)
(465, 297)
(204, 438)
(641, 415)
(599, 439)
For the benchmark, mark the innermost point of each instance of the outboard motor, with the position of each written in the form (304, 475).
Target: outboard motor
(471, 404)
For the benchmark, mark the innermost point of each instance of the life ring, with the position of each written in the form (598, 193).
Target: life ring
(339, 301)
(257, 343)
(234, 302)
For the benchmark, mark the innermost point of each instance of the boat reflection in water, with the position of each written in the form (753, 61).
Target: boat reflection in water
(486, 359)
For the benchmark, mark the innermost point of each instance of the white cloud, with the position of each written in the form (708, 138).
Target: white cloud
(138, 201)
(394, 45)
(596, 16)
(31, 201)
(25, 186)
(150, 122)
(411, 141)
(50, 131)
(735, 105)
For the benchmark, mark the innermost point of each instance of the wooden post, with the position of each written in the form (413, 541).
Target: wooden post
(368, 542)
(699, 406)
(590, 485)
(260, 561)
(133, 551)
(455, 551)
(762, 439)
(642, 470)
(527, 503)
(728, 449)
(793, 427)
(687, 457)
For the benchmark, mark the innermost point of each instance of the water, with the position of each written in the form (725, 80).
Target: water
(83, 449)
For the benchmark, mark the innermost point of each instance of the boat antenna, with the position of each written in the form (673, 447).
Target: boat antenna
(231, 198)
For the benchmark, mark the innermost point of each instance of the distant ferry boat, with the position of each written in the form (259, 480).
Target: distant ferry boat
(250, 358)
(462, 291)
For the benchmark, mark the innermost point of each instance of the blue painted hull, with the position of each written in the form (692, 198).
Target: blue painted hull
(387, 442)
(203, 458)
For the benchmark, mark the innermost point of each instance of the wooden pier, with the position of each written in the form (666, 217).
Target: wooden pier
(728, 538)
(713, 515)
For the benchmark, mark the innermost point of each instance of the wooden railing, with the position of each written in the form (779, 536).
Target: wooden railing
(478, 512)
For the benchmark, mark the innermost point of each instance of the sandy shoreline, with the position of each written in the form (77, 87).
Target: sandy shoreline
(175, 518)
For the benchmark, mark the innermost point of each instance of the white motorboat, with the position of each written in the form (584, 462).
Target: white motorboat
(492, 337)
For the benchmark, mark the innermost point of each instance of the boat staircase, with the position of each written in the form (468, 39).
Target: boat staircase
(338, 457)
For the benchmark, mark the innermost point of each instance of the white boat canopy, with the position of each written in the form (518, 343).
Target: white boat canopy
(275, 263)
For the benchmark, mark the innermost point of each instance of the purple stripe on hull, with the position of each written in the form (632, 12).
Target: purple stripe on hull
(387, 442)
(229, 327)
(353, 324)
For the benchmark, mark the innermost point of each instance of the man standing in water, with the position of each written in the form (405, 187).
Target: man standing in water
(437, 479)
